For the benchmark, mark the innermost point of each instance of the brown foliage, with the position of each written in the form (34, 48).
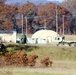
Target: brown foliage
(47, 12)
(70, 5)
(46, 62)
(7, 13)
(20, 58)
(32, 60)
(26, 7)
(16, 58)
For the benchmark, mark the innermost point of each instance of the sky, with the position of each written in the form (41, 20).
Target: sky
(56, 0)
(34, 1)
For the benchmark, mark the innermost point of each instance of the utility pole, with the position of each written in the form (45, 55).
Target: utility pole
(63, 24)
(56, 19)
(26, 25)
(22, 24)
(45, 24)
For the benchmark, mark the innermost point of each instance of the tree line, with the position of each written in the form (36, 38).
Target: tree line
(37, 16)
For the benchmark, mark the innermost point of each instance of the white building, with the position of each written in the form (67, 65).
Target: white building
(46, 36)
(8, 36)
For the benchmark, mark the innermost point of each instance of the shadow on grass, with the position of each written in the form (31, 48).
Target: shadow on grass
(27, 48)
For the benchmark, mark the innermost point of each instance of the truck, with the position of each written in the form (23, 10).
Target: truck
(22, 39)
(66, 43)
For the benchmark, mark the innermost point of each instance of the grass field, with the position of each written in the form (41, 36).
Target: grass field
(63, 57)
(54, 52)
(26, 73)
(64, 61)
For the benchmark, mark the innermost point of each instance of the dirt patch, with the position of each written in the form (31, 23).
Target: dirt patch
(58, 67)
(64, 64)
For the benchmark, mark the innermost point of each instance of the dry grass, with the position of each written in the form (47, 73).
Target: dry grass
(37, 71)
(64, 59)
(70, 37)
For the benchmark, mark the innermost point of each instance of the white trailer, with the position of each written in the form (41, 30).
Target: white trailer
(8, 36)
(67, 40)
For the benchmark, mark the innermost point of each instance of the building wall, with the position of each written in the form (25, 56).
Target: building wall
(8, 37)
(48, 35)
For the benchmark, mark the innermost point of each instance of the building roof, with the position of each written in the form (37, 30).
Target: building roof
(44, 34)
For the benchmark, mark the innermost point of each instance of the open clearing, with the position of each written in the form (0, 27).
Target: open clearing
(58, 68)
(63, 57)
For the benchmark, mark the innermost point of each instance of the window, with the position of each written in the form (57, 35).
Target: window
(57, 38)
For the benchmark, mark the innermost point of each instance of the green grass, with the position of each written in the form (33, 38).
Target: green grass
(33, 73)
(29, 35)
(25, 73)
(54, 52)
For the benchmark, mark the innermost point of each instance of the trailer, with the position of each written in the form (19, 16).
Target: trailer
(64, 42)
(8, 36)
(67, 43)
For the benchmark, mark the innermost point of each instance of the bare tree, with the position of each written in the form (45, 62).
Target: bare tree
(70, 5)
(2, 1)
